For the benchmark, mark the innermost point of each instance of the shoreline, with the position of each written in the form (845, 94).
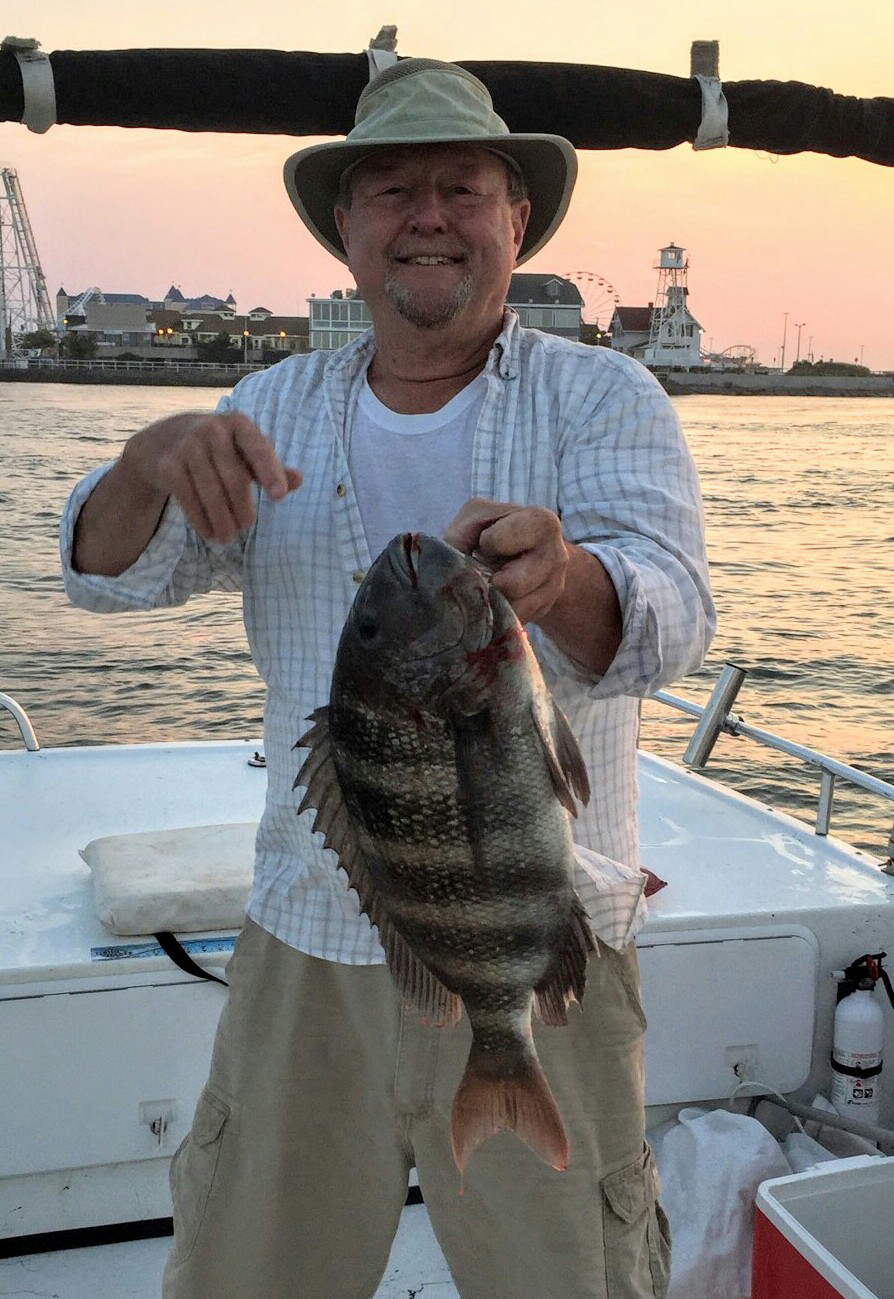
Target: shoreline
(716, 383)
(720, 384)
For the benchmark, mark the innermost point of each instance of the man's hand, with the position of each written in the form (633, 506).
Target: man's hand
(209, 464)
(546, 579)
(525, 547)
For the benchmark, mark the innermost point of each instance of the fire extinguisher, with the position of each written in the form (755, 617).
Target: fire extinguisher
(857, 1039)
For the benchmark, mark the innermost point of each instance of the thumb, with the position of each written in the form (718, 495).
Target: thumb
(294, 478)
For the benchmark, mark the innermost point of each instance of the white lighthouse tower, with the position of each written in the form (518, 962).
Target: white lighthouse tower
(675, 334)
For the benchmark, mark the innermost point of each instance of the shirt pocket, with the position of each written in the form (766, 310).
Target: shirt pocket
(636, 1232)
(193, 1170)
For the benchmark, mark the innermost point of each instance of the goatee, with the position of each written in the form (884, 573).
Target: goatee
(429, 313)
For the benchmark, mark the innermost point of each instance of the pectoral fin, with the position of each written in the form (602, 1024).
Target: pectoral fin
(563, 757)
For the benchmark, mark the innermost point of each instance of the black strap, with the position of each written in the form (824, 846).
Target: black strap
(181, 958)
(856, 1071)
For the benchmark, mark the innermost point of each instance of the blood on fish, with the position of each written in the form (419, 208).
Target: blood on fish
(510, 647)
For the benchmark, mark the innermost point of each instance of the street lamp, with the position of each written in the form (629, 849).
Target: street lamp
(245, 346)
(799, 328)
(784, 332)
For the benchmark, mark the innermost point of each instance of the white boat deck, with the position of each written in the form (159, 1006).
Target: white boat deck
(133, 1270)
(728, 860)
(747, 887)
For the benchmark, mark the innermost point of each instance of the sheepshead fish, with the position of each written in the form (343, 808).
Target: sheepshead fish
(443, 775)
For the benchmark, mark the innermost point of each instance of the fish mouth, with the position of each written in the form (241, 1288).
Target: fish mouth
(403, 558)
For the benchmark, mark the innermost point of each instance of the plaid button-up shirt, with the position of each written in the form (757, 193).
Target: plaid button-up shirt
(583, 431)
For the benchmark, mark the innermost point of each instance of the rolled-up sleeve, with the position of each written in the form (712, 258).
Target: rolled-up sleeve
(176, 564)
(629, 494)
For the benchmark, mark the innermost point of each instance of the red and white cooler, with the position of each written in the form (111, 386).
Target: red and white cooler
(827, 1233)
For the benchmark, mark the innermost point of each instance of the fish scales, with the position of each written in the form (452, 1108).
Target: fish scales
(442, 774)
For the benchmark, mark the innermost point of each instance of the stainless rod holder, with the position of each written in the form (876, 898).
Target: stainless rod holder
(826, 799)
(888, 865)
(715, 716)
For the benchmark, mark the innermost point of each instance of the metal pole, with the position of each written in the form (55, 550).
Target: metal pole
(3, 352)
(29, 739)
(827, 795)
(784, 332)
(715, 716)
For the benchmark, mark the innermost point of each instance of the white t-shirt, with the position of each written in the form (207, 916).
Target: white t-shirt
(411, 473)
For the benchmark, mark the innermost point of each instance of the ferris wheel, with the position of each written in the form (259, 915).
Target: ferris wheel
(599, 294)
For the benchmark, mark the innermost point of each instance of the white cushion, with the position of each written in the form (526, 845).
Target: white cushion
(188, 880)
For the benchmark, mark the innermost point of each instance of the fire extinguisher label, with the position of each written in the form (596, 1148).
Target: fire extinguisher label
(853, 1077)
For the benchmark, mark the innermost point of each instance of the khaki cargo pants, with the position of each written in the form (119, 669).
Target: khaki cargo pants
(325, 1090)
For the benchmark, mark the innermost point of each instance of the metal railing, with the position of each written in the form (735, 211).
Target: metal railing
(26, 730)
(716, 717)
(160, 366)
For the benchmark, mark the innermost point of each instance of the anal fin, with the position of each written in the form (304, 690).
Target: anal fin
(568, 978)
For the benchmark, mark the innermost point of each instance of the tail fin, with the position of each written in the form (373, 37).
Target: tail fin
(492, 1098)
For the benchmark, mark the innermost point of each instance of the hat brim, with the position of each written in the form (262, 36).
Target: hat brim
(548, 164)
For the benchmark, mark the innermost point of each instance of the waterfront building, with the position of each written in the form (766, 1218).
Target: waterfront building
(665, 334)
(118, 321)
(132, 324)
(675, 338)
(546, 302)
(630, 329)
(336, 320)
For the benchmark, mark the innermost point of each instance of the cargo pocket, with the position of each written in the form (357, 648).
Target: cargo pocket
(192, 1172)
(635, 1232)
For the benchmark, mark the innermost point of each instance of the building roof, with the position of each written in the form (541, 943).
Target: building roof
(290, 325)
(526, 287)
(166, 319)
(637, 320)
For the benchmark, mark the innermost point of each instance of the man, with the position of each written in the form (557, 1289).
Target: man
(565, 468)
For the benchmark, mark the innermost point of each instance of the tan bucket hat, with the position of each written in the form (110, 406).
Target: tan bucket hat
(424, 101)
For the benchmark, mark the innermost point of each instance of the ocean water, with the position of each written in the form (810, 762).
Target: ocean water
(799, 498)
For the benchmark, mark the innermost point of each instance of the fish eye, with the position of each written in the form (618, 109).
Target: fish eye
(367, 626)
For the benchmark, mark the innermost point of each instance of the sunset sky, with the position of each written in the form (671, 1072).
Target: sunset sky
(134, 211)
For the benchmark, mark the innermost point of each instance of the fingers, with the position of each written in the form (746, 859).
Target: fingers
(210, 464)
(261, 460)
(532, 583)
(475, 517)
(522, 544)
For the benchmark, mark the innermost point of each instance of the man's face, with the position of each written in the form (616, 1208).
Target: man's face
(432, 235)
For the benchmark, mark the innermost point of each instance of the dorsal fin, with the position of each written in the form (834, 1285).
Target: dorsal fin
(334, 821)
